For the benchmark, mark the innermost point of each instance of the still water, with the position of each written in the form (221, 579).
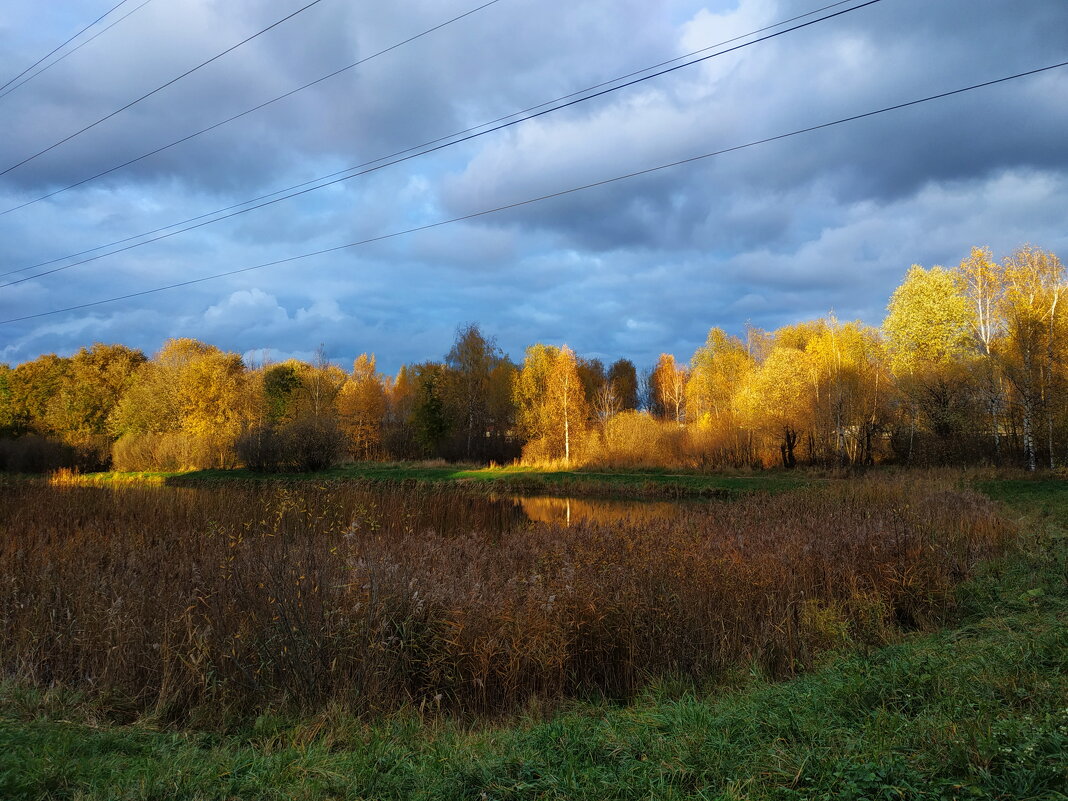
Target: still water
(565, 511)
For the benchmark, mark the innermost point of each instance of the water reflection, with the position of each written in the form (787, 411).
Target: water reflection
(394, 509)
(565, 511)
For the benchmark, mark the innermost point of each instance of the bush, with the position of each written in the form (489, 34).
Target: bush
(171, 451)
(261, 449)
(313, 443)
(35, 454)
(636, 439)
(306, 445)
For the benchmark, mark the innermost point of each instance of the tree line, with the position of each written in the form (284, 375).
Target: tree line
(969, 366)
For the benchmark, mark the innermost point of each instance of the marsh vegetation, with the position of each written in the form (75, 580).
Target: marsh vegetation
(220, 602)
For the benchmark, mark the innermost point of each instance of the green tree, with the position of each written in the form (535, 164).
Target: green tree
(33, 387)
(623, 377)
(281, 387)
(430, 420)
(471, 362)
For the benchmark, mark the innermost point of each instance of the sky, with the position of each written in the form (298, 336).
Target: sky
(822, 222)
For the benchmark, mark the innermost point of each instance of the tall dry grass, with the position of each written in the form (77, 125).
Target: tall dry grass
(190, 602)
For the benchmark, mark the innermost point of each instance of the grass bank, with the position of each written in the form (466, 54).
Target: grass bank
(979, 710)
(509, 480)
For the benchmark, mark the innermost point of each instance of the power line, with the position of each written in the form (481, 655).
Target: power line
(161, 88)
(397, 158)
(530, 201)
(72, 51)
(60, 47)
(255, 108)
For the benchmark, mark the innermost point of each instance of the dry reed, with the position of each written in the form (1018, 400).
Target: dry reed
(190, 601)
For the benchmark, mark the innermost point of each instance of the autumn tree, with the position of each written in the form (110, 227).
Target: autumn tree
(667, 386)
(320, 383)
(982, 281)
(193, 392)
(551, 401)
(776, 399)
(605, 403)
(852, 386)
(928, 337)
(1033, 308)
(928, 323)
(398, 435)
(530, 388)
(361, 405)
(717, 370)
(565, 411)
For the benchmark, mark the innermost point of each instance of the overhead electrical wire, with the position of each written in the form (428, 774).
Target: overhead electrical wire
(399, 157)
(60, 47)
(255, 108)
(171, 82)
(530, 201)
(72, 51)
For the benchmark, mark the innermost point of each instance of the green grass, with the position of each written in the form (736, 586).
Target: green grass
(642, 482)
(976, 711)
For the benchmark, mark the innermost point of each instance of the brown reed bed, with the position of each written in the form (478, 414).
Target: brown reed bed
(199, 603)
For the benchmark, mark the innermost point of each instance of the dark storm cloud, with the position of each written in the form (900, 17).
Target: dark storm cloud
(828, 220)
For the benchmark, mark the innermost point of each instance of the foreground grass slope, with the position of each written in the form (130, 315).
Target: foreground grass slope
(977, 711)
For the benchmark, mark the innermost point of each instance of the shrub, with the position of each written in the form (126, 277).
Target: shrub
(35, 454)
(171, 451)
(313, 443)
(261, 449)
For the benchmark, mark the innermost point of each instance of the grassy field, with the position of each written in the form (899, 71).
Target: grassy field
(512, 479)
(975, 710)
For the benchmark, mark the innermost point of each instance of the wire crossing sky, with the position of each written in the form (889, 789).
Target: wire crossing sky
(771, 234)
(429, 147)
(59, 47)
(11, 88)
(171, 82)
(551, 196)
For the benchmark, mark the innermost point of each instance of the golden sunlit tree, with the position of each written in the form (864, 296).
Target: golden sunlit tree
(667, 389)
(928, 337)
(361, 405)
(184, 408)
(982, 281)
(1033, 353)
(852, 388)
(718, 368)
(776, 400)
(551, 402)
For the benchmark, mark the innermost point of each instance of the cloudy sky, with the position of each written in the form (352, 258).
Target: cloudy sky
(790, 230)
